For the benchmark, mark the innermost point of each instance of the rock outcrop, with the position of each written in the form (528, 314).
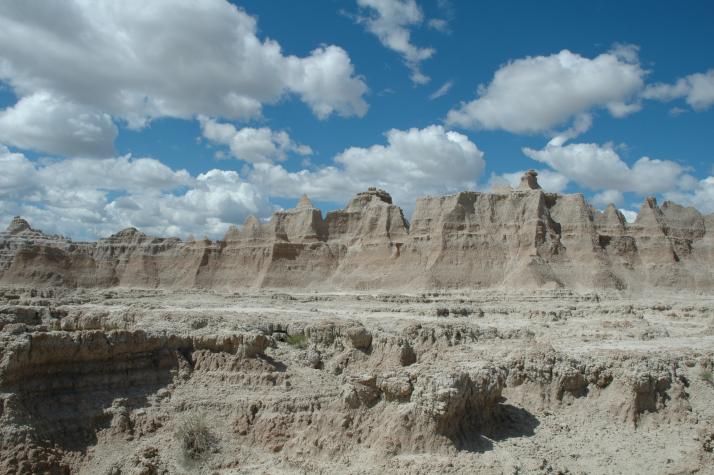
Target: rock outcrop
(529, 181)
(128, 381)
(524, 238)
(20, 236)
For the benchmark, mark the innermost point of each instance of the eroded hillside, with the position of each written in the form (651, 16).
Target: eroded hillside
(147, 381)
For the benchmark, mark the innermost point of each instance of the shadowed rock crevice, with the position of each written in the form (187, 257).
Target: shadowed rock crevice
(504, 422)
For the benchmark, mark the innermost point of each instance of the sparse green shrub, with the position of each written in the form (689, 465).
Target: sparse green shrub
(705, 374)
(442, 312)
(298, 340)
(195, 437)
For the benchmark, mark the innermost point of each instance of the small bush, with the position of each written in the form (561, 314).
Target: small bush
(442, 312)
(298, 340)
(706, 375)
(462, 312)
(199, 323)
(195, 437)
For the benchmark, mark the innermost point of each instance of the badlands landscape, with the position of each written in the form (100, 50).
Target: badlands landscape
(515, 331)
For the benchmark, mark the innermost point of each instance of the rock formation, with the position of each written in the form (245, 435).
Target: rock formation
(19, 235)
(524, 237)
(127, 381)
(529, 181)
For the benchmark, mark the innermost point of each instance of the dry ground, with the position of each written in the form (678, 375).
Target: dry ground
(138, 381)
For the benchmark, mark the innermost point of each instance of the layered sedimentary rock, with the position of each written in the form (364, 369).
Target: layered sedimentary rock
(523, 238)
(19, 235)
(120, 381)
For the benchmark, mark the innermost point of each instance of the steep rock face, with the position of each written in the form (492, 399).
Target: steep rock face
(287, 251)
(610, 222)
(576, 226)
(369, 218)
(665, 237)
(238, 260)
(617, 249)
(484, 239)
(703, 249)
(131, 258)
(366, 238)
(301, 224)
(686, 228)
(516, 238)
(19, 234)
(29, 255)
(128, 258)
(299, 251)
(600, 251)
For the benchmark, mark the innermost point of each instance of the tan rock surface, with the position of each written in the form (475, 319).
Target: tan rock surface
(517, 331)
(97, 381)
(522, 238)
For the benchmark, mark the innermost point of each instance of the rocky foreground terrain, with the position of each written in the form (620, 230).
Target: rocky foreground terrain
(509, 332)
(551, 381)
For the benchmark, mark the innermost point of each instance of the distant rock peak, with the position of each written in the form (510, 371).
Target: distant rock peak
(372, 194)
(17, 225)
(529, 181)
(305, 202)
(127, 233)
(251, 221)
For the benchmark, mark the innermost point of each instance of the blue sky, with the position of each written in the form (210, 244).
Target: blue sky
(181, 118)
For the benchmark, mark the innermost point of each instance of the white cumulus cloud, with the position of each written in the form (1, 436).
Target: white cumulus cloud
(605, 197)
(630, 215)
(413, 163)
(138, 60)
(46, 123)
(696, 89)
(701, 195)
(89, 198)
(217, 199)
(540, 93)
(17, 177)
(252, 144)
(547, 179)
(599, 167)
(99, 197)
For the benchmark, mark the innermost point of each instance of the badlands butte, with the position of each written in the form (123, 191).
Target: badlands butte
(516, 332)
(521, 238)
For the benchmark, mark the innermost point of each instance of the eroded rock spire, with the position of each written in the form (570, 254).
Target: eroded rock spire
(305, 202)
(18, 225)
(529, 181)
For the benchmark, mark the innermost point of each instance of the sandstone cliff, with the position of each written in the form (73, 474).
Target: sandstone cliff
(515, 238)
